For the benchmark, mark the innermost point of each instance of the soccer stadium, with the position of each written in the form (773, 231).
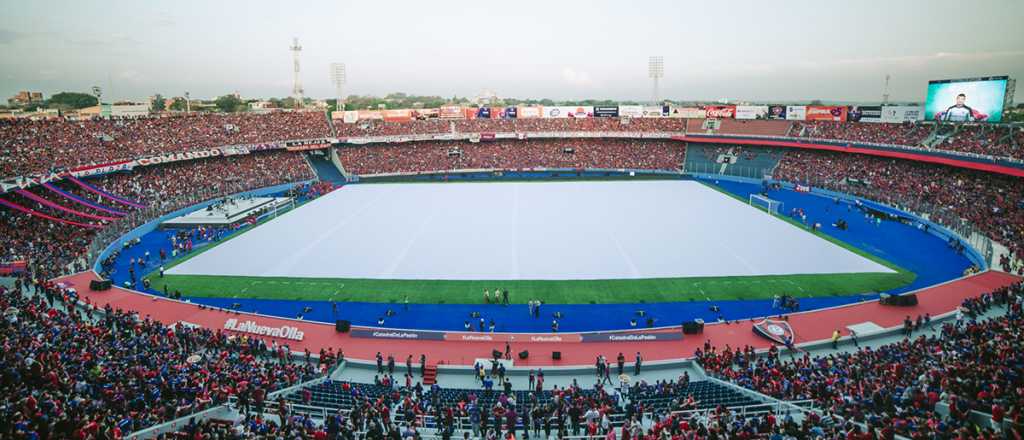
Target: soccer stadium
(657, 266)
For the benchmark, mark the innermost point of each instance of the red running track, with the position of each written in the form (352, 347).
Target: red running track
(808, 326)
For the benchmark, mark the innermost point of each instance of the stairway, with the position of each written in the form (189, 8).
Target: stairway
(430, 375)
(325, 169)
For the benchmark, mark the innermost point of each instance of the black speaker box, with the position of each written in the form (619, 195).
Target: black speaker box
(496, 354)
(99, 285)
(556, 355)
(524, 354)
(906, 300)
(342, 326)
(693, 327)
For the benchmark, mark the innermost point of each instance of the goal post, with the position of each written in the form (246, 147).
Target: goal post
(771, 205)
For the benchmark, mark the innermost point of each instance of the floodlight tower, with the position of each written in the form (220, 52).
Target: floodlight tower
(338, 78)
(655, 70)
(297, 87)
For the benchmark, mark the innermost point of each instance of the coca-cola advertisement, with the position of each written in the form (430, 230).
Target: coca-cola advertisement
(721, 111)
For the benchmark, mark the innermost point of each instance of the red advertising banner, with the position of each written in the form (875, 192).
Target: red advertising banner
(826, 113)
(720, 111)
(399, 115)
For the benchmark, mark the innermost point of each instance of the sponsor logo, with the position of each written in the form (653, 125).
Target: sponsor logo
(553, 338)
(632, 337)
(477, 338)
(176, 157)
(251, 327)
(102, 169)
(395, 335)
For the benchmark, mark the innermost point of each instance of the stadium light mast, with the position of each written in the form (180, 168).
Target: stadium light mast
(655, 70)
(338, 78)
(297, 87)
(188, 104)
(98, 92)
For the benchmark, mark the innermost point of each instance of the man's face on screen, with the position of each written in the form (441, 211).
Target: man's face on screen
(960, 100)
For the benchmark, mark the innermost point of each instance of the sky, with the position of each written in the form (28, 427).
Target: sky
(785, 50)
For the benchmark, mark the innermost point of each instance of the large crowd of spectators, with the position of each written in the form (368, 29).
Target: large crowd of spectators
(988, 140)
(513, 155)
(29, 147)
(992, 203)
(982, 139)
(971, 364)
(76, 372)
(524, 125)
(878, 133)
(56, 248)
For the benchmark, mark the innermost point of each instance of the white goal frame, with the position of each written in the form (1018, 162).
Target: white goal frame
(771, 205)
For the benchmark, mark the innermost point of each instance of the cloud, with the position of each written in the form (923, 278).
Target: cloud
(163, 19)
(8, 36)
(108, 40)
(130, 75)
(49, 73)
(577, 79)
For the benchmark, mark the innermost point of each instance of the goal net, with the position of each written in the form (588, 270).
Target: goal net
(772, 206)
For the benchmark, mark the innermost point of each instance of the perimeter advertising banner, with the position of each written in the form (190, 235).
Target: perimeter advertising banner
(426, 113)
(902, 113)
(864, 113)
(450, 112)
(966, 100)
(529, 112)
(721, 111)
(568, 111)
(776, 112)
(653, 111)
(631, 111)
(826, 113)
(751, 112)
(402, 115)
(796, 112)
(692, 113)
(606, 111)
(370, 114)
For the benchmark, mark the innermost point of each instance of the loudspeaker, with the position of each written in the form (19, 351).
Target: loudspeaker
(342, 326)
(99, 285)
(496, 354)
(524, 354)
(556, 355)
(906, 300)
(694, 327)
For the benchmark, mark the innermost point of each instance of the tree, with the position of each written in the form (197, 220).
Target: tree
(72, 100)
(228, 103)
(179, 104)
(158, 104)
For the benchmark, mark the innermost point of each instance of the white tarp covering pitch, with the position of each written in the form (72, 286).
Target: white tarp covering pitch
(526, 230)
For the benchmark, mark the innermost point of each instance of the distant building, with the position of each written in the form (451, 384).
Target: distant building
(123, 109)
(486, 97)
(25, 97)
(261, 105)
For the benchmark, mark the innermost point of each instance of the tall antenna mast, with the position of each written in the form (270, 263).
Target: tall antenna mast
(885, 92)
(655, 70)
(297, 88)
